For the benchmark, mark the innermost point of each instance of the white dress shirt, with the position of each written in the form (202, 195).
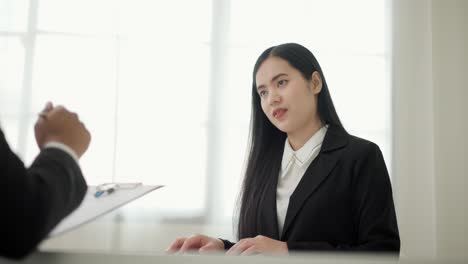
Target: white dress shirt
(67, 149)
(293, 167)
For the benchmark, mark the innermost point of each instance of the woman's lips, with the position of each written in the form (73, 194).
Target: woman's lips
(279, 113)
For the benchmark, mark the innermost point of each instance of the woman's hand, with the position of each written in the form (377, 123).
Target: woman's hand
(197, 242)
(259, 245)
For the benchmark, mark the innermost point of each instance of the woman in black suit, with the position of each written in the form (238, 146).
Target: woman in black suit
(309, 185)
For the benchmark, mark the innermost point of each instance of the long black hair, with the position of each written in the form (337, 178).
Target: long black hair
(267, 141)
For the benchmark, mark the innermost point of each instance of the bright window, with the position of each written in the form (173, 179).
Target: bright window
(164, 86)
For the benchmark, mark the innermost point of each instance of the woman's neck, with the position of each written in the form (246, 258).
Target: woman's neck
(298, 138)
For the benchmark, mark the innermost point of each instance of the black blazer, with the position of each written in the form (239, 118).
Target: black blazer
(343, 202)
(34, 200)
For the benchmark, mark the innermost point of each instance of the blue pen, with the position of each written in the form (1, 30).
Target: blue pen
(99, 193)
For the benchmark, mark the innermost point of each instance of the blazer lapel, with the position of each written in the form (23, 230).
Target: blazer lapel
(317, 172)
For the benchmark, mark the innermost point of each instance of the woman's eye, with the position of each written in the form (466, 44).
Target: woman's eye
(262, 93)
(282, 82)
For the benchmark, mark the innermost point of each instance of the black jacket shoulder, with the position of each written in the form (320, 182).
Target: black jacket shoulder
(35, 198)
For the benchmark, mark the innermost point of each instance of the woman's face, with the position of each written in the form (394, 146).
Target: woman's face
(287, 98)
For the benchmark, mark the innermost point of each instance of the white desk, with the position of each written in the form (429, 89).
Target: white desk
(80, 258)
(115, 239)
(121, 258)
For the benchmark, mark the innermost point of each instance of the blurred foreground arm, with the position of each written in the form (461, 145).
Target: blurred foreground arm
(33, 200)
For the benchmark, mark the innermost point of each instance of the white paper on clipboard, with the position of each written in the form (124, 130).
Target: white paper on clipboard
(92, 207)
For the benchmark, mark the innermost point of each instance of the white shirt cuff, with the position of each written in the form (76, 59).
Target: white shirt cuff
(67, 149)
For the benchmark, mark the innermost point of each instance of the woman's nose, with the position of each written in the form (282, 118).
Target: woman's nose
(274, 98)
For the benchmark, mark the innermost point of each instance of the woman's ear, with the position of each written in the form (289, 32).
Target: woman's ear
(316, 82)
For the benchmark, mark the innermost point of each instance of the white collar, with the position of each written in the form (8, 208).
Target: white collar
(305, 153)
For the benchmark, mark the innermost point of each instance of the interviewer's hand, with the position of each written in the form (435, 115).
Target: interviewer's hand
(59, 124)
(197, 242)
(258, 245)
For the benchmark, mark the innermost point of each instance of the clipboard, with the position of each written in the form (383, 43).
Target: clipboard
(93, 207)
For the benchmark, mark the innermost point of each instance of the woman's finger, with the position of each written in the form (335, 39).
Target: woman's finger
(176, 245)
(240, 247)
(252, 250)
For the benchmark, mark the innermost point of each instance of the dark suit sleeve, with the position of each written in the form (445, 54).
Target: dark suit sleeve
(34, 200)
(373, 212)
(227, 244)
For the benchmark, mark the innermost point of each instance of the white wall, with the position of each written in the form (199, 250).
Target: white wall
(413, 127)
(430, 123)
(450, 71)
